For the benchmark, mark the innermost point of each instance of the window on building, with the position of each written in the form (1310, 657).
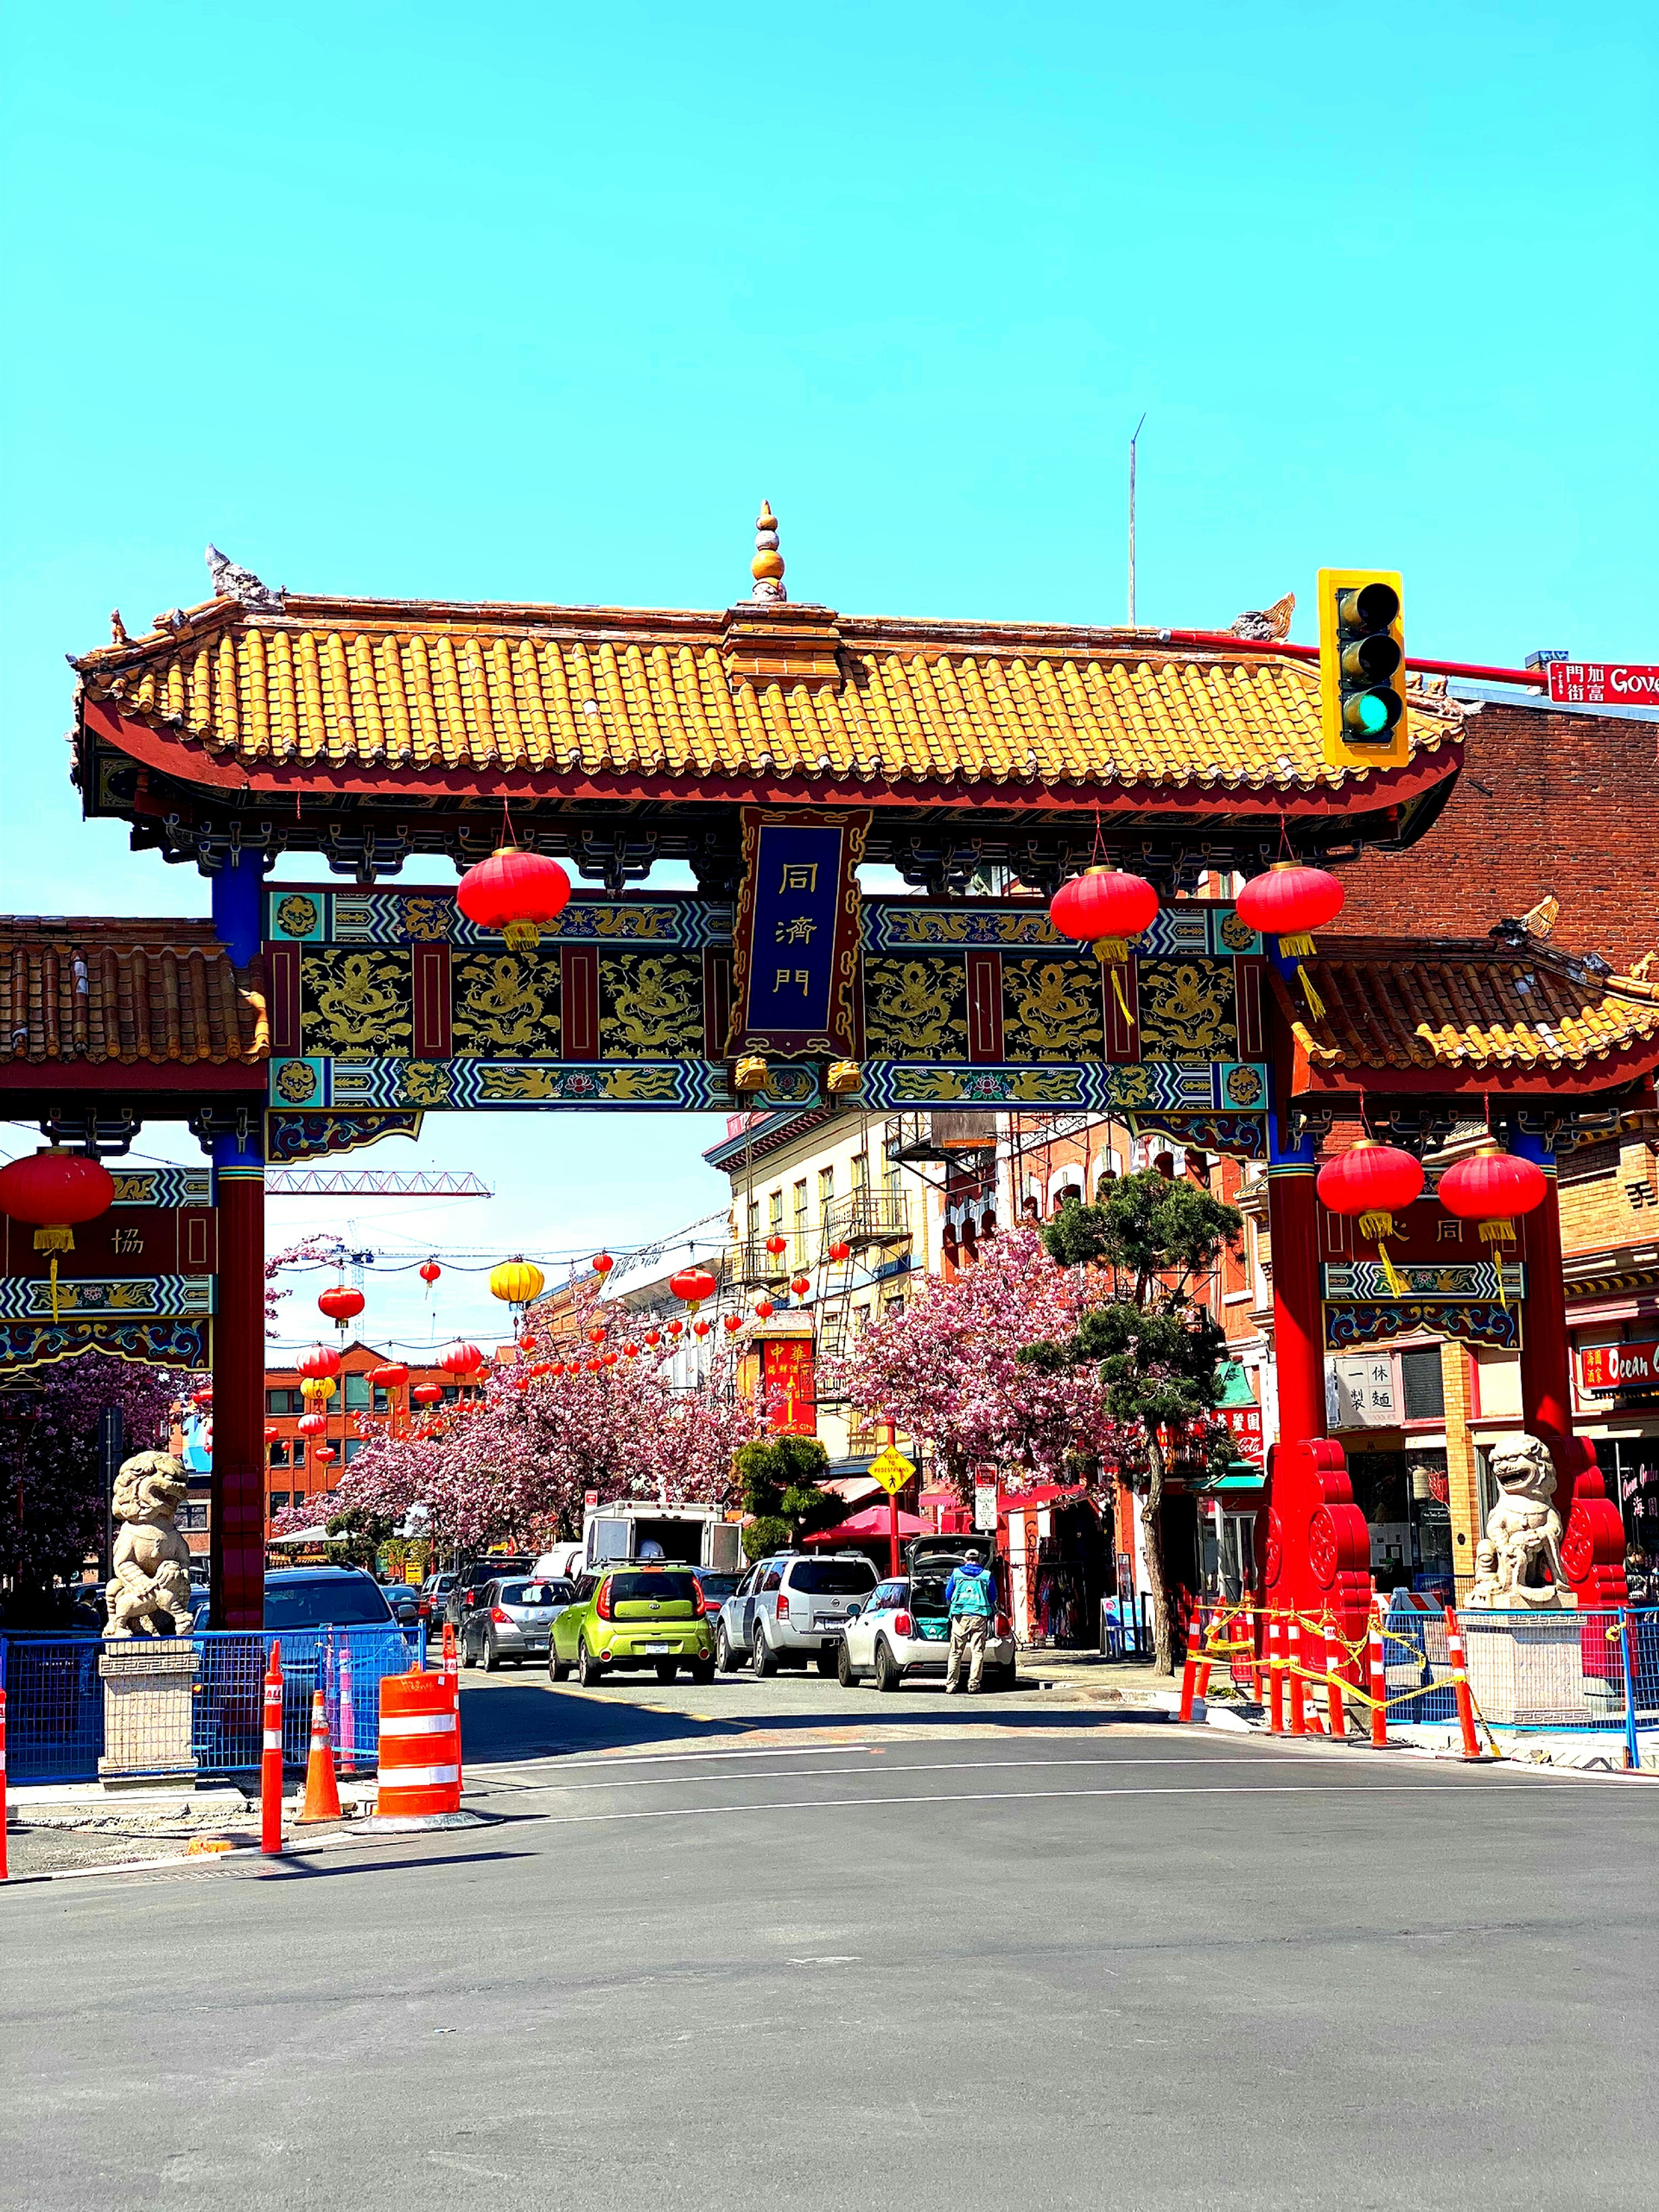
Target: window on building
(280, 1500)
(800, 1207)
(860, 1320)
(1420, 1380)
(826, 1189)
(754, 1221)
(283, 1402)
(861, 1171)
(297, 1453)
(382, 1400)
(192, 1516)
(775, 1207)
(358, 1393)
(353, 1446)
(279, 1452)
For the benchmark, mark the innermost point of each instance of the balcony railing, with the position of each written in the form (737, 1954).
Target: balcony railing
(753, 1265)
(866, 1217)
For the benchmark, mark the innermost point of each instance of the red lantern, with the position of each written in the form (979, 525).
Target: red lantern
(763, 1310)
(325, 1453)
(800, 1284)
(630, 1351)
(313, 1424)
(341, 1305)
(56, 1191)
(776, 1244)
(430, 1271)
(653, 1337)
(318, 1361)
(460, 1359)
(603, 1263)
(426, 1394)
(1104, 908)
(1492, 1186)
(677, 1329)
(557, 1367)
(838, 1252)
(734, 1322)
(1368, 1183)
(596, 1336)
(392, 1377)
(514, 892)
(1289, 903)
(272, 1434)
(610, 1358)
(699, 1329)
(693, 1285)
(592, 1366)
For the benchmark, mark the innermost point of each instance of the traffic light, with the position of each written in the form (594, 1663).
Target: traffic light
(1362, 666)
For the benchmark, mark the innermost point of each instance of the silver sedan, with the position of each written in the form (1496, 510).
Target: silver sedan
(512, 1620)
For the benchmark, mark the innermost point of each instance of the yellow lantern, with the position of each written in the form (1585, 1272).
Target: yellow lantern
(517, 1281)
(316, 1388)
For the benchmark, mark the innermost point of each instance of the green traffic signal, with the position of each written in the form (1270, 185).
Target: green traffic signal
(1371, 713)
(1362, 665)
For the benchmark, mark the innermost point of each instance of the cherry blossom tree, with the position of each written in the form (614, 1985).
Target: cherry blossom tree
(516, 1460)
(52, 1492)
(946, 1370)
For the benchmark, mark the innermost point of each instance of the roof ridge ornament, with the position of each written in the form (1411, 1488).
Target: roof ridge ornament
(767, 567)
(231, 581)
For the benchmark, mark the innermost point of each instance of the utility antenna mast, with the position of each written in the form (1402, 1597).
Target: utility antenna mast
(1133, 442)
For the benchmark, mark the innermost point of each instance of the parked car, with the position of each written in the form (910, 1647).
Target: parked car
(791, 1607)
(638, 1615)
(435, 1596)
(905, 1629)
(324, 1597)
(512, 1621)
(469, 1585)
(717, 1586)
(406, 1603)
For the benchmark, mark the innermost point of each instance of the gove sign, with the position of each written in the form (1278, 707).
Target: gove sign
(1598, 684)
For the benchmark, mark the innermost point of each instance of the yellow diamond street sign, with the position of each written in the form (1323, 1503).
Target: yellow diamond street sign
(891, 1469)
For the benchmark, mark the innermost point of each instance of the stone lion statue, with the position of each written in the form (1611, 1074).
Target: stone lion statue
(151, 1558)
(1517, 1563)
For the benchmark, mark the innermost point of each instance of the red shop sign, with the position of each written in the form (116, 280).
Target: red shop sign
(1245, 1422)
(1602, 684)
(1619, 1367)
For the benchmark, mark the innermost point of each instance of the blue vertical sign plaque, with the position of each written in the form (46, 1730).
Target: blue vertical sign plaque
(796, 973)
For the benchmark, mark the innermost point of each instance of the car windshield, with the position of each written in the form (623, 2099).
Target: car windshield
(719, 1587)
(352, 1602)
(833, 1577)
(536, 1593)
(631, 1590)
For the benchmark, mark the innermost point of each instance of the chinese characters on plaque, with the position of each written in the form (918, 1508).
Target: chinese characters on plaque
(797, 935)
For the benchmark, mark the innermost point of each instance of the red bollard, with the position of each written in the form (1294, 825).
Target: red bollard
(5, 1871)
(1298, 1689)
(270, 1757)
(452, 1676)
(1335, 1712)
(1275, 1675)
(1377, 1660)
(1461, 1686)
(1189, 1672)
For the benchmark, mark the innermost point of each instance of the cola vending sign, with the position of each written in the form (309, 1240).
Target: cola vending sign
(1619, 1367)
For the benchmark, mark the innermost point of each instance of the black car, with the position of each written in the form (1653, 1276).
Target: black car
(324, 1597)
(475, 1578)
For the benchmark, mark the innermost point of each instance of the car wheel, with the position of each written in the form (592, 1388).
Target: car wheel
(1007, 1678)
(702, 1670)
(846, 1673)
(558, 1668)
(889, 1674)
(725, 1657)
(667, 1669)
(588, 1671)
(492, 1657)
(826, 1662)
(762, 1657)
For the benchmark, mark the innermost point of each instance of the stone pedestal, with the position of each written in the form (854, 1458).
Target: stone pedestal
(148, 1685)
(1527, 1671)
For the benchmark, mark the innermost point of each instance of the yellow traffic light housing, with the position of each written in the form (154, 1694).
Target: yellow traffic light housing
(1362, 668)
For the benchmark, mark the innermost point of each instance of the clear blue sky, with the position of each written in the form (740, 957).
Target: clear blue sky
(532, 301)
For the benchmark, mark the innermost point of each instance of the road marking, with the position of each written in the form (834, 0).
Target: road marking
(676, 1757)
(1023, 1797)
(920, 1767)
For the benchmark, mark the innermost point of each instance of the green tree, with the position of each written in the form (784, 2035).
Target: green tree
(779, 1477)
(1149, 1241)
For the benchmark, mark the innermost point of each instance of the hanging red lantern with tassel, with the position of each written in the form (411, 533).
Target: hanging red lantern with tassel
(430, 1271)
(800, 1284)
(699, 1329)
(677, 1328)
(312, 1424)
(734, 1322)
(775, 1244)
(1104, 908)
(55, 1191)
(763, 1310)
(426, 1394)
(341, 1305)
(515, 892)
(1492, 1186)
(1290, 902)
(1368, 1184)
(693, 1285)
(653, 1337)
(838, 1252)
(460, 1359)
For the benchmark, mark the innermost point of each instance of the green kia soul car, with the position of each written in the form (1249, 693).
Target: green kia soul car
(635, 1615)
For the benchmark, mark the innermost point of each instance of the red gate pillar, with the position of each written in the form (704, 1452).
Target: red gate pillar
(1593, 1545)
(1316, 1547)
(238, 1551)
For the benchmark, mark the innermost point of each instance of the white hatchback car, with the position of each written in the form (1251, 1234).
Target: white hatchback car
(904, 1629)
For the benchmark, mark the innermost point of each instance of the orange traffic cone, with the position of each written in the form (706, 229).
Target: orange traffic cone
(322, 1791)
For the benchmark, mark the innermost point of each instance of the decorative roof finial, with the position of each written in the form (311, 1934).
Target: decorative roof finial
(117, 628)
(767, 567)
(231, 581)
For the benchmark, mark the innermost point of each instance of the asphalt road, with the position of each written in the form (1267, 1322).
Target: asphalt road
(974, 1954)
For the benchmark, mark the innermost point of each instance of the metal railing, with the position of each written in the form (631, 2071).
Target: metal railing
(56, 1700)
(867, 1217)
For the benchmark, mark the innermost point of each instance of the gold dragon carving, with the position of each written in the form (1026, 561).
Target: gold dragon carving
(1187, 1009)
(1054, 1009)
(358, 1002)
(651, 1006)
(503, 1007)
(915, 1009)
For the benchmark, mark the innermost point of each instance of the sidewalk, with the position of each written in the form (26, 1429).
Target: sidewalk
(1088, 1678)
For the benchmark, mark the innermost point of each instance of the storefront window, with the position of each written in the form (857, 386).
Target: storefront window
(1420, 1380)
(1630, 1465)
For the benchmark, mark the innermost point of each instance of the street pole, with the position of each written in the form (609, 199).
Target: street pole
(894, 1565)
(111, 1450)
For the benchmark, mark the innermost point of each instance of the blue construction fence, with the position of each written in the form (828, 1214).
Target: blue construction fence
(1589, 1671)
(55, 1697)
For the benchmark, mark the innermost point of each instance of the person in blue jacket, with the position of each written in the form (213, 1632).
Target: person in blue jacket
(970, 1600)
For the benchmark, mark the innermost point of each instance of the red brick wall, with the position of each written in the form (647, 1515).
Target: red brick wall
(1561, 803)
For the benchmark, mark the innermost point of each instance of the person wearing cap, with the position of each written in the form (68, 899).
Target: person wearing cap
(970, 1600)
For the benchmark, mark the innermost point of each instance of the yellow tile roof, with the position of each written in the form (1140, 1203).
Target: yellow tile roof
(415, 687)
(1402, 1004)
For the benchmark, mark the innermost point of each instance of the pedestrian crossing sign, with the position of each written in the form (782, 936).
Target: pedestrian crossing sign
(891, 1469)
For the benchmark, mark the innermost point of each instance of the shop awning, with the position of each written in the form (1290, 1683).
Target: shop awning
(874, 1520)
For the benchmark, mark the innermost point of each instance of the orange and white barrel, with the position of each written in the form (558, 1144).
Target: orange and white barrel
(420, 1751)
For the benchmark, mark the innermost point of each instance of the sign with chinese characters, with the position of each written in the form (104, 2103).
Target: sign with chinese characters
(1619, 1367)
(787, 1386)
(1359, 1393)
(1245, 1423)
(796, 943)
(1602, 684)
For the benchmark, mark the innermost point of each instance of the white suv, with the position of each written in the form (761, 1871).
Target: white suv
(792, 1608)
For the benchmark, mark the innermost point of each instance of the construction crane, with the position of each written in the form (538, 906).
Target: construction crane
(370, 1182)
